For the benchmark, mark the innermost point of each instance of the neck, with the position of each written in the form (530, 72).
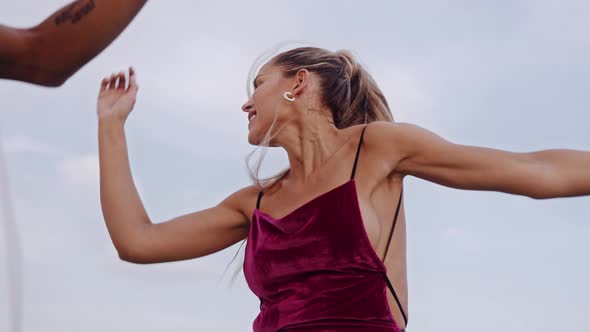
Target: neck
(309, 145)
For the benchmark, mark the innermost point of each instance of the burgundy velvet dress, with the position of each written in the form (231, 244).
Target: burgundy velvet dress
(316, 270)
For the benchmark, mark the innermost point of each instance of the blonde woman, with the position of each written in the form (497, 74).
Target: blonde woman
(325, 246)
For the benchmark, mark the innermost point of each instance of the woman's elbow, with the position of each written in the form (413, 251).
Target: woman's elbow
(138, 254)
(549, 188)
(131, 256)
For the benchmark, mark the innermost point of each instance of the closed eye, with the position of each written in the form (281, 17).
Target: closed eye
(256, 81)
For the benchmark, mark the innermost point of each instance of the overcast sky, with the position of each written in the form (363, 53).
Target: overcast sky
(512, 75)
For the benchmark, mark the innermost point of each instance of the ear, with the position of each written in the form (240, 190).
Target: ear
(301, 81)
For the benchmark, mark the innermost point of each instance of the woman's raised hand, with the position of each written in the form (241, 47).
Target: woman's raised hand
(116, 99)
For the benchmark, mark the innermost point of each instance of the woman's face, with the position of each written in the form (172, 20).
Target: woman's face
(266, 100)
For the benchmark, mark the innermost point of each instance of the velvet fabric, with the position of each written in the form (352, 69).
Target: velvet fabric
(316, 270)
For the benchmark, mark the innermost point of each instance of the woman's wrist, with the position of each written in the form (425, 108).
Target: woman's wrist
(110, 122)
(111, 127)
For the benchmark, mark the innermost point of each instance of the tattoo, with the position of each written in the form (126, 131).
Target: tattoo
(74, 16)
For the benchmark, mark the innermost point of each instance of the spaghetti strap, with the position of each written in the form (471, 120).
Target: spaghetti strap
(358, 150)
(258, 201)
(394, 222)
(387, 281)
(399, 304)
(260, 193)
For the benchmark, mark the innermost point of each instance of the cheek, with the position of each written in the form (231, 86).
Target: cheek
(259, 98)
(262, 102)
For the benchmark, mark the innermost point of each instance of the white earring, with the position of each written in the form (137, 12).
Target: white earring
(286, 96)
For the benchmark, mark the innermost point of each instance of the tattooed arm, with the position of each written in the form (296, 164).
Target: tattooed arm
(49, 53)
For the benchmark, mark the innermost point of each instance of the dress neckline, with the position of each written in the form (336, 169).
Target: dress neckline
(301, 207)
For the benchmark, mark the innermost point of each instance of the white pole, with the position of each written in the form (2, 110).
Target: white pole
(13, 249)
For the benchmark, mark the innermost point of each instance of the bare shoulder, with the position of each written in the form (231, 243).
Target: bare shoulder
(242, 200)
(395, 142)
(381, 133)
(384, 142)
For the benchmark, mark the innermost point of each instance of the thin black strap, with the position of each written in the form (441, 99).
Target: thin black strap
(258, 206)
(358, 149)
(401, 309)
(399, 203)
(399, 305)
(258, 201)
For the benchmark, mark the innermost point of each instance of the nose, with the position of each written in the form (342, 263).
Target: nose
(247, 107)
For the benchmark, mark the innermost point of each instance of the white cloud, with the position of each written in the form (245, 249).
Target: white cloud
(81, 171)
(462, 238)
(27, 144)
(407, 91)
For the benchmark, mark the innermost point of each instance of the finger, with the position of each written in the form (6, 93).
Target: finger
(104, 84)
(116, 81)
(122, 81)
(108, 79)
(132, 80)
(112, 81)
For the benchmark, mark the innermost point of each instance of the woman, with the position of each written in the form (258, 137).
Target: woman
(326, 238)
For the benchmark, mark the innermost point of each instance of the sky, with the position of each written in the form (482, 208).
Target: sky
(511, 75)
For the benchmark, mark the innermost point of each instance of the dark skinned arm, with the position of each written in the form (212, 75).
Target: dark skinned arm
(51, 52)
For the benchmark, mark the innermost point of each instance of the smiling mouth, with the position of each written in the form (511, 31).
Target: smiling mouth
(251, 116)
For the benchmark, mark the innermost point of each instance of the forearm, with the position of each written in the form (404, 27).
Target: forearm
(123, 211)
(70, 38)
(15, 55)
(566, 172)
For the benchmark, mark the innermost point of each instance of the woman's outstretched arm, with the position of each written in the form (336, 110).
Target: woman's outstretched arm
(49, 53)
(413, 150)
(134, 236)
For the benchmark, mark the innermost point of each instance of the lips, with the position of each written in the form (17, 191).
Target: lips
(251, 114)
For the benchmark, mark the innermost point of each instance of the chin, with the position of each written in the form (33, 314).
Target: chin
(256, 135)
(252, 138)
